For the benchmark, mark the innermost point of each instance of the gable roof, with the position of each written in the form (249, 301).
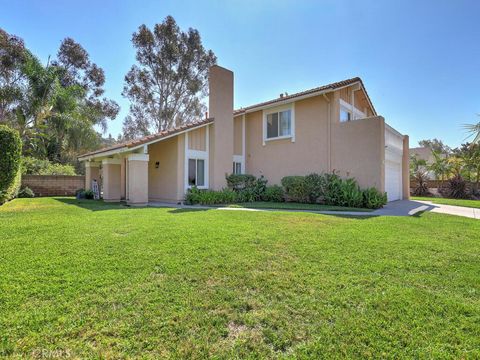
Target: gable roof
(307, 93)
(135, 143)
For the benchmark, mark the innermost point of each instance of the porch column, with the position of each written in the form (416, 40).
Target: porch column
(137, 179)
(92, 172)
(111, 180)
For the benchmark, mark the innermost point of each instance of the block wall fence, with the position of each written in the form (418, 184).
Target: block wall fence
(53, 185)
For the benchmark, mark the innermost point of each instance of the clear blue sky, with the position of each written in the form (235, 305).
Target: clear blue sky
(419, 59)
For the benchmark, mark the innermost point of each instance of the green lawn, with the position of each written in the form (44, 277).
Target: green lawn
(91, 280)
(295, 206)
(455, 202)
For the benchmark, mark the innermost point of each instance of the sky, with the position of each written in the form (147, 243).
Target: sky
(419, 60)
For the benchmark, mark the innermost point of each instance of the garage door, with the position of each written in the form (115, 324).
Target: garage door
(393, 180)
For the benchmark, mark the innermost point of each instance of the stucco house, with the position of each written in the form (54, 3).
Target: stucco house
(330, 128)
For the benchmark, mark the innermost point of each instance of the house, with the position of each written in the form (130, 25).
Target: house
(426, 154)
(330, 128)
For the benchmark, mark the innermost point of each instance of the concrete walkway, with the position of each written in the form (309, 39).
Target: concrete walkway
(394, 208)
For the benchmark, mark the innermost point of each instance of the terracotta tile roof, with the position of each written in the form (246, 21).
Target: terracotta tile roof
(149, 138)
(331, 86)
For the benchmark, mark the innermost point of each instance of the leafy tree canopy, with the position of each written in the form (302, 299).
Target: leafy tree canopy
(435, 145)
(55, 107)
(169, 81)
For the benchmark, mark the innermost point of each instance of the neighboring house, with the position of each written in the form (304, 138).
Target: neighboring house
(424, 153)
(329, 128)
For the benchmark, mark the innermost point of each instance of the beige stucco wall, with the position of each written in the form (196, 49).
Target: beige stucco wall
(358, 150)
(279, 158)
(354, 149)
(196, 139)
(91, 172)
(221, 109)
(123, 182)
(111, 180)
(138, 181)
(162, 181)
(237, 135)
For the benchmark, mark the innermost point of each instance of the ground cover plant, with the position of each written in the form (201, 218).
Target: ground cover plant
(93, 280)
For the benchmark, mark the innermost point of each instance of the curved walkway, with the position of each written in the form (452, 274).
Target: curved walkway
(394, 208)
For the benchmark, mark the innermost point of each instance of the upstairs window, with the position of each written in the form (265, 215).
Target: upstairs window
(279, 124)
(345, 115)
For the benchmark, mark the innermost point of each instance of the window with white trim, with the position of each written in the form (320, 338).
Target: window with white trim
(237, 167)
(279, 124)
(345, 115)
(196, 172)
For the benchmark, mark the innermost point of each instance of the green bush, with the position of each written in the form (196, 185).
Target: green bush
(296, 188)
(315, 186)
(274, 193)
(26, 192)
(210, 197)
(10, 152)
(34, 166)
(89, 194)
(248, 188)
(374, 199)
(240, 181)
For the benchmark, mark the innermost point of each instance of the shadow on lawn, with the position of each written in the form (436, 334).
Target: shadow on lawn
(94, 205)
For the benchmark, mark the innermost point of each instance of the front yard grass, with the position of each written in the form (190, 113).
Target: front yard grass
(454, 202)
(94, 280)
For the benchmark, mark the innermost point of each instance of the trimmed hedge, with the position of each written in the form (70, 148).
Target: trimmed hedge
(10, 153)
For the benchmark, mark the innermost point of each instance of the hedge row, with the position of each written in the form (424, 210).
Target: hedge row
(327, 189)
(10, 153)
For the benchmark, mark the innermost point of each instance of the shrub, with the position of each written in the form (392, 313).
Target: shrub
(421, 179)
(10, 152)
(296, 188)
(80, 194)
(316, 186)
(333, 189)
(240, 181)
(351, 195)
(26, 192)
(274, 193)
(248, 188)
(34, 166)
(456, 188)
(374, 199)
(89, 194)
(210, 197)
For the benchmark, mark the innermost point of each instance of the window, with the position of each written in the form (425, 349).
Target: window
(279, 124)
(345, 115)
(237, 167)
(196, 172)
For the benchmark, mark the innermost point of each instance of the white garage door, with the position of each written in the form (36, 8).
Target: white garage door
(393, 180)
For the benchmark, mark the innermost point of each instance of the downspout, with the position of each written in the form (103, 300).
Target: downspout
(329, 134)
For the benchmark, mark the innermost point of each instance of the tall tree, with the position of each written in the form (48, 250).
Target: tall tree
(435, 145)
(56, 106)
(167, 85)
(12, 59)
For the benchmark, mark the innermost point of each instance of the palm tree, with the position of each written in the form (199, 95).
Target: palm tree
(440, 166)
(474, 130)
